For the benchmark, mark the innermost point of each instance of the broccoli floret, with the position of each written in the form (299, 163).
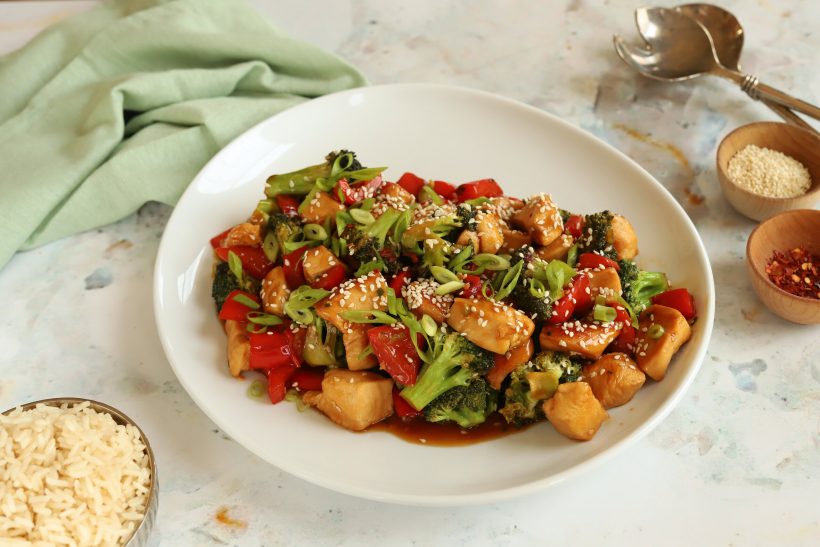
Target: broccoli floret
(534, 382)
(456, 362)
(468, 405)
(284, 228)
(538, 309)
(564, 215)
(368, 245)
(225, 282)
(465, 216)
(639, 286)
(302, 181)
(597, 236)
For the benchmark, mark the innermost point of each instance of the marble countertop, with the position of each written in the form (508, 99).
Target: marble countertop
(736, 463)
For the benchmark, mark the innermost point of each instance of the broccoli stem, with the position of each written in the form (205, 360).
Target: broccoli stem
(296, 182)
(435, 379)
(379, 229)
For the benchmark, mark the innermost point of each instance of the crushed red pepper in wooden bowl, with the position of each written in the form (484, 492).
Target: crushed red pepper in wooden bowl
(796, 271)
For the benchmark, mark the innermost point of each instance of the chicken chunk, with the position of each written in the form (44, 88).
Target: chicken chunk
(355, 341)
(321, 208)
(557, 250)
(605, 282)
(421, 298)
(490, 325)
(574, 411)
(247, 233)
(513, 239)
(584, 338)
(503, 206)
(317, 262)
(368, 292)
(623, 237)
(541, 218)
(468, 237)
(395, 196)
(508, 362)
(275, 292)
(490, 237)
(239, 348)
(353, 399)
(614, 379)
(653, 355)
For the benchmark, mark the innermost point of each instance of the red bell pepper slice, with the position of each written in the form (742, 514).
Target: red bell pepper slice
(399, 281)
(625, 342)
(292, 267)
(271, 349)
(680, 299)
(576, 300)
(395, 351)
(594, 260)
(217, 240)
(472, 286)
(361, 190)
(277, 382)
(237, 311)
(411, 183)
(574, 225)
(444, 189)
(484, 188)
(307, 379)
(254, 261)
(331, 278)
(403, 409)
(289, 205)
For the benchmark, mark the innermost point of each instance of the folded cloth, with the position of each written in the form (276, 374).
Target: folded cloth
(124, 104)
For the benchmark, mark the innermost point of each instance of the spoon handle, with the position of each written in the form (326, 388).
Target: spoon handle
(789, 116)
(756, 90)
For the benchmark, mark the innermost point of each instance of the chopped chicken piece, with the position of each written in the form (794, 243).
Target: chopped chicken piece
(368, 292)
(541, 218)
(490, 236)
(505, 364)
(355, 341)
(574, 411)
(653, 355)
(353, 399)
(513, 239)
(490, 325)
(321, 208)
(239, 348)
(468, 237)
(624, 238)
(614, 379)
(588, 339)
(605, 282)
(558, 249)
(318, 261)
(421, 298)
(247, 233)
(275, 292)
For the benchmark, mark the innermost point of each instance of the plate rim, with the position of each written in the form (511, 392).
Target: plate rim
(705, 321)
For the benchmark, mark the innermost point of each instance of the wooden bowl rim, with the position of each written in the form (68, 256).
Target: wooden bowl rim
(762, 274)
(815, 184)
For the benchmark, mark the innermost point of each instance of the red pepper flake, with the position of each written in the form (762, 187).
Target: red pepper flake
(797, 271)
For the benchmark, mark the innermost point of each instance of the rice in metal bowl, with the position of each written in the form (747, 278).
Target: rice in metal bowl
(71, 475)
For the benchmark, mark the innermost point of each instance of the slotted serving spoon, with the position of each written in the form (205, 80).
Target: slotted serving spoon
(679, 48)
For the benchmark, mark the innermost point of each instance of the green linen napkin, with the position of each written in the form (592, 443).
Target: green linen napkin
(124, 104)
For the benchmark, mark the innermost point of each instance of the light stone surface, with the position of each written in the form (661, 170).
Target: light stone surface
(738, 461)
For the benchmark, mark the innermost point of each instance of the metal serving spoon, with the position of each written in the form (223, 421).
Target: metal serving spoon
(679, 48)
(727, 39)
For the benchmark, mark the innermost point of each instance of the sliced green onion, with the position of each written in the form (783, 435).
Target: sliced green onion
(558, 274)
(368, 173)
(362, 217)
(303, 315)
(442, 274)
(449, 287)
(605, 314)
(368, 203)
(509, 281)
(343, 218)
(478, 201)
(428, 194)
(402, 223)
(264, 208)
(460, 259)
(368, 350)
(290, 246)
(255, 329)
(487, 290)
(261, 318)
(655, 331)
(235, 265)
(337, 246)
(572, 256)
(326, 184)
(487, 261)
(270, 246)
(342, 162)
(295, 397)
(428, 325)
(256, 390)
(246, 301)
(537, 289)
(367, 267)
(314, 232)
(305, 296)
(600, 300)
(628, 308)
(367, 316)
(392, 304)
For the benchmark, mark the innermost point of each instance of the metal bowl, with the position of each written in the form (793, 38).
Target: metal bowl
(139, 537)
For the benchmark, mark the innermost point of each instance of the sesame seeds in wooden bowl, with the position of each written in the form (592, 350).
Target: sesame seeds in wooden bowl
(782, 233)
(760, 174)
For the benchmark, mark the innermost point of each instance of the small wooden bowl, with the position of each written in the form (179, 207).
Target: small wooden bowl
(801, 144)
(799, 228)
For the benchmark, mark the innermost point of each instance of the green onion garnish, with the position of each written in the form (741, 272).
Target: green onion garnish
(305, 297)
(368, 203)
(509, 281)
(343, 218)
(392, 304)
(442, 274)
(361, 216)
(572, 256)
(270, 246)
(428, 194)
(260, 318)
(537, 289)
(255, 329)
(235, 265)
(368, 350)
(428, 325)
(655, 331)
(314, 232)
(246, 301)
(604, 314)
(449, 287)
(256, 390)
(557, 274)
(367, 316)
(460, 259)
(487, 290)
(303, 315)
(478, 201)
(487, 261)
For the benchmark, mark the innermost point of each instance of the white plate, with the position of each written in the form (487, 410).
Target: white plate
(437, 132)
